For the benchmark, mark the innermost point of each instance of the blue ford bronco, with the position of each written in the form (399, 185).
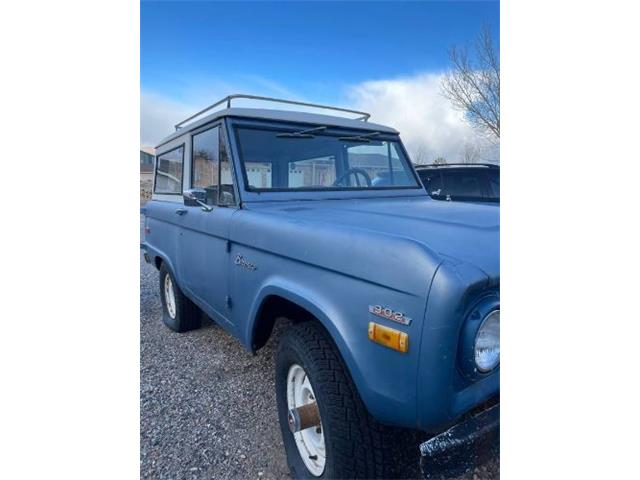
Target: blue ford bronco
(391, 298)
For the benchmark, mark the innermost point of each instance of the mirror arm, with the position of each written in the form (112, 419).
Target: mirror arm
(191, 199)
(205, 207)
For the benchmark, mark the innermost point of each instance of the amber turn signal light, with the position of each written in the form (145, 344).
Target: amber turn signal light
(389, 337)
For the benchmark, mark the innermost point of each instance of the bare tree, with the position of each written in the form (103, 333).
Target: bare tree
(420, 155)
(471, 153)
(473, 84)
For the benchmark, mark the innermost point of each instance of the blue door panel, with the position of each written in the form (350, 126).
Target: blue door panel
(203, 259)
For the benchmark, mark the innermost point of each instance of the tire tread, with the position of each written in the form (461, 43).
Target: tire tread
(188, 315)
(362, 447)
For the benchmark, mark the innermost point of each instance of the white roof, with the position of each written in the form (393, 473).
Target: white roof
(282, 115)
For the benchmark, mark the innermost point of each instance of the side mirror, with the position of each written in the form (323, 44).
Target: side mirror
(226, 198)
(195, 197)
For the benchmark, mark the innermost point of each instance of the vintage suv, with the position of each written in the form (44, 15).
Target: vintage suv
(392, 298)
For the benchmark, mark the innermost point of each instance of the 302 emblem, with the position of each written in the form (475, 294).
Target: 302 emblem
(389, 314)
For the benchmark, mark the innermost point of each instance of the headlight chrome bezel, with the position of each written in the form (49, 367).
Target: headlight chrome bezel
(474, 320)
(484, 326)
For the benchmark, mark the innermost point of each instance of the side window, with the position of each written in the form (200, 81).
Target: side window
(169, 171)
(211, 167)
(205, 162)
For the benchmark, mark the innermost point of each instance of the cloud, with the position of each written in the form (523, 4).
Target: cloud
(429, 126)
(158, 115)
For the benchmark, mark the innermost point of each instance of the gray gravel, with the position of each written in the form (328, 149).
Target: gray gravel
(207, 406)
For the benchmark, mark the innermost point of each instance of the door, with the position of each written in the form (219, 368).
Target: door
(162, 225)
(203, 253)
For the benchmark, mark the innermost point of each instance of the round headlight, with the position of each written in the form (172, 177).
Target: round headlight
(486, 348)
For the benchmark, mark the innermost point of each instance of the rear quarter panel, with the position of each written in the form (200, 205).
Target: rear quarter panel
(162, 237)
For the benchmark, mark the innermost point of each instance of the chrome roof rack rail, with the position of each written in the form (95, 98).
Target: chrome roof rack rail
(364, 116)
(439, 165)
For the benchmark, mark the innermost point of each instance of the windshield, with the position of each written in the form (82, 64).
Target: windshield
(321, 159)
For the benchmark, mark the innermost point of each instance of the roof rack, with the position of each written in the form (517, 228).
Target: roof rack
(437, 165)
(364, 116)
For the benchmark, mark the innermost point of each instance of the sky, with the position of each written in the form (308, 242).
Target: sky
(386, 58)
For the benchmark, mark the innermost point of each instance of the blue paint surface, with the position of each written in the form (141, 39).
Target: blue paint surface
(334, 254)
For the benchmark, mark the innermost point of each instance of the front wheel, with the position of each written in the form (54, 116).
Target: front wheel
(341, 439)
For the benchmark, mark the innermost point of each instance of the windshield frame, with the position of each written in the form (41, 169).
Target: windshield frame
(320, 192)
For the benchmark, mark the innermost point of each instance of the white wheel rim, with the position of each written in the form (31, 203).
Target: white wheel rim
(169, 296)
(310, 442)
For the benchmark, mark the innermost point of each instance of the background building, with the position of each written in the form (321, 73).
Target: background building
(147, 159)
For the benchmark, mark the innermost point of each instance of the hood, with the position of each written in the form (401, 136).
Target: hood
(456, 231)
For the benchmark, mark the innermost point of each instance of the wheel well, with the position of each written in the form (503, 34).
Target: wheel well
(273, 308)
(158, 262)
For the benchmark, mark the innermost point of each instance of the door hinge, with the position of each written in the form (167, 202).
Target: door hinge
(228, 246)
(227, 302)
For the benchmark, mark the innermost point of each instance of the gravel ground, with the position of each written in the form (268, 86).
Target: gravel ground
(207, 406)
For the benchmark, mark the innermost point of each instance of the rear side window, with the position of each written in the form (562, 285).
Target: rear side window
(462, 184)
(169, 171)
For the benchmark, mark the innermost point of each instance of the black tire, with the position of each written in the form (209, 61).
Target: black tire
(357, 446)
(187, 314)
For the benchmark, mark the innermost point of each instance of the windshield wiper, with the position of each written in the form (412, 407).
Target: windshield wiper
(302, 133)
(360, 138)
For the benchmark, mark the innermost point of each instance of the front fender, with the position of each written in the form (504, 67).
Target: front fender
(301, 296)
(384, 378)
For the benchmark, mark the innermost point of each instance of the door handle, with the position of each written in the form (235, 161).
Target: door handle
(181, 211)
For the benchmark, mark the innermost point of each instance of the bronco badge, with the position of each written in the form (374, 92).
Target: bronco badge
(389, 314)
(244, 263)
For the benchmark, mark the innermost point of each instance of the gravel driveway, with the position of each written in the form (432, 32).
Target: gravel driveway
(207, 406)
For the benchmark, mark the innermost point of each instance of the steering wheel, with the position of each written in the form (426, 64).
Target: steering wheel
(355, 172)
